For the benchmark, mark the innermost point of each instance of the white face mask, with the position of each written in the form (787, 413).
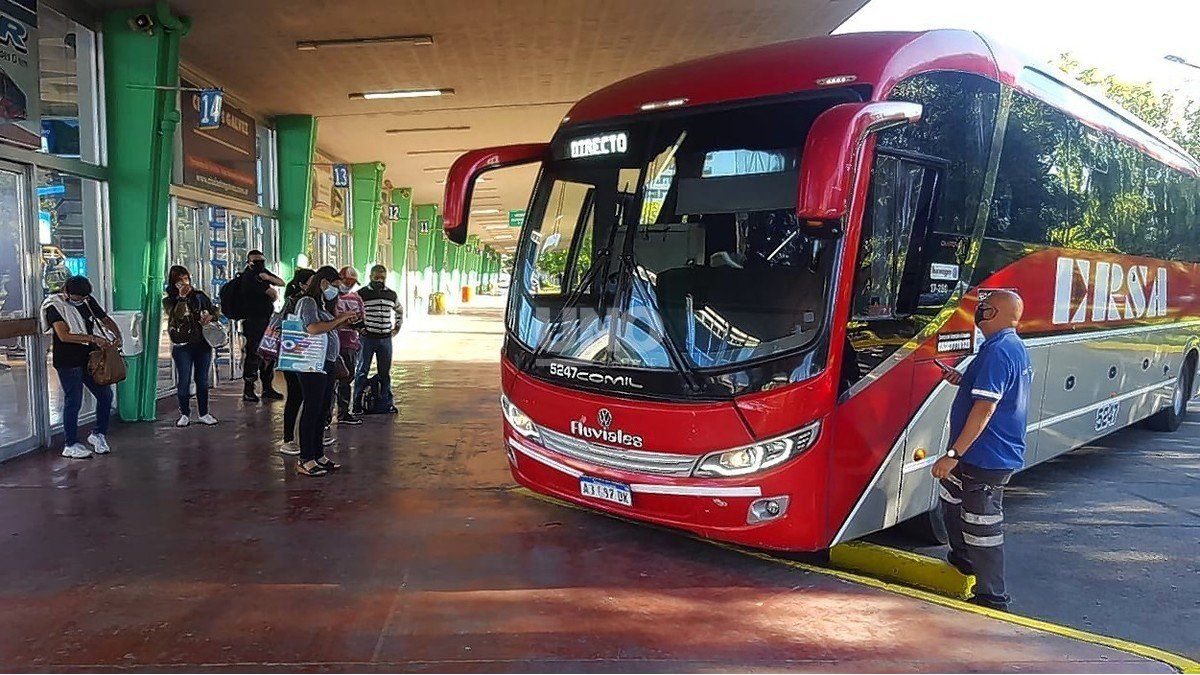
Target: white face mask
(331, 292)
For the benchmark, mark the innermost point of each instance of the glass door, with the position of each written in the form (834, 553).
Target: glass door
(20, 375)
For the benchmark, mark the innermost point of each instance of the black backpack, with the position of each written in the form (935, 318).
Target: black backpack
(376, 399)
(183, 325)
(231, 299)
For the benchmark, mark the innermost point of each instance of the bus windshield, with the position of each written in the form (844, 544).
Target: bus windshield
(673, 243)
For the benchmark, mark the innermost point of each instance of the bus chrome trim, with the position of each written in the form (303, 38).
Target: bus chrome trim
(1085, 336)
(635, 461)
(645, 488)
(1062, 417)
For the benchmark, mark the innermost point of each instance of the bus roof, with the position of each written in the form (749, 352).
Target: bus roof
(878, 60)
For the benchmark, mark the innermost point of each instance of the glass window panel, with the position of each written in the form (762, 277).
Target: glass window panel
(16, 411)
(68, 239)
(67, 65)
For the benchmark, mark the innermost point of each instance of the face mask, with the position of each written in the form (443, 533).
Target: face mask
(331, 292)
(377, 285)
(78, 303)
(984, 313)
(258, 265)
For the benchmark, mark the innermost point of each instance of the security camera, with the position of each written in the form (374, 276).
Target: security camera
(142, 23)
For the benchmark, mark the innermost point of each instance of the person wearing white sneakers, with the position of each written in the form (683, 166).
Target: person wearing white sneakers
(79, 325)
(188, 310)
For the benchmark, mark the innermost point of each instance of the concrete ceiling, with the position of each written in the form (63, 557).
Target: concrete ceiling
(515, 65)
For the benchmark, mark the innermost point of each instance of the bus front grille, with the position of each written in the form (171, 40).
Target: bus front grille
(637, 461)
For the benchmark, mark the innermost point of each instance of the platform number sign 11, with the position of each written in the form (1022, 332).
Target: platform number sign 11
(341, 176)
(210, 108)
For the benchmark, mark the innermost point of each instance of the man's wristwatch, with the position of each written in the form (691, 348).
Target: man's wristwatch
(953, 454)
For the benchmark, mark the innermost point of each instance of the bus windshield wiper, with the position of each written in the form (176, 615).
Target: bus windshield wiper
(690, 375)
(599, 262)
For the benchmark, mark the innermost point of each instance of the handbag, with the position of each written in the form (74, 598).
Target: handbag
(340, 372)
(105, 365)
(268, 346)
(300, 352)
(215, 334)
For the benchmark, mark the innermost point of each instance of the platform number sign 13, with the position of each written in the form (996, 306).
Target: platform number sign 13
(341, 176)
(210, 109)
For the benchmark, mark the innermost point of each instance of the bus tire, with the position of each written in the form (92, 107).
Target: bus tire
(1171, 418)
(927, 528)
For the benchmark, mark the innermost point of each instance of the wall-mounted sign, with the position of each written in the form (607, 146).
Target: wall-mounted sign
(341, 176)
(423, 227)
(211, 101)
(516, 218)
(393, 212)
(222, 159)
(328, 201)
(20, 93)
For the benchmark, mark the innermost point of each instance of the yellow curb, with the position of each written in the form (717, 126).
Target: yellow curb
(904, 567)
(1176, 661)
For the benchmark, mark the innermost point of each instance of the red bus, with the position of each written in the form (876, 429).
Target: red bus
(736, 274)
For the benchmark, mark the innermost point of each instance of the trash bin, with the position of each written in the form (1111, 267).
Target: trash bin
(437, 303)
(466, 294)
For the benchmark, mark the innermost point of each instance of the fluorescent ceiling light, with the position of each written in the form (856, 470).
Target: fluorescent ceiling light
(400, 93)
(495, 227)
(313, 45)
(436, 168)
(416, 130)
(484, 212)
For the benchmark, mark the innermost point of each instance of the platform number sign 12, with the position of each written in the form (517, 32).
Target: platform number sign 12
(341, 176)
(393, 212)
(210, 109)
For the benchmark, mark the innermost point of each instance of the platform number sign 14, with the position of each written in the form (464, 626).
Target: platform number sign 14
(210, 109)
(341, 176)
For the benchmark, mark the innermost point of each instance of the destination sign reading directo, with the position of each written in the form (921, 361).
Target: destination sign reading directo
(596, 146)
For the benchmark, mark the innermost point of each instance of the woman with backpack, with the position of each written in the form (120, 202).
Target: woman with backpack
(188, 310)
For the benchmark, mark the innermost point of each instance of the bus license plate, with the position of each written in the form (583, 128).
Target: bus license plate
(607, 490)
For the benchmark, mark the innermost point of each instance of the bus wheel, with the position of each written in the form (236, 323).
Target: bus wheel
(927, 528)
(1171, 417)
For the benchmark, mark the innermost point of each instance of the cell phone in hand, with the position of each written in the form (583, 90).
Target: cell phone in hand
(945, 368)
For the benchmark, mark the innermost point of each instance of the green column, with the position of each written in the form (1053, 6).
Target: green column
(296, 141)
(439, 254)
(366, 185)
(141, 71)
(426, 216)
(402, 198)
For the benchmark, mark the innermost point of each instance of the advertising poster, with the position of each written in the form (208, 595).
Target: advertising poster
(221, 160)
(20, 95)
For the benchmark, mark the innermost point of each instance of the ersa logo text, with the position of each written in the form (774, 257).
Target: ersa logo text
(1097, 290)
(13, 34)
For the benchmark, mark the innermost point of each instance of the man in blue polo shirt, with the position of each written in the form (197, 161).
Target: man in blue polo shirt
(987, 428)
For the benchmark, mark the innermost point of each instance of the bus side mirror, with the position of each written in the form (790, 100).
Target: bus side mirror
(460, 182)
(833, 154)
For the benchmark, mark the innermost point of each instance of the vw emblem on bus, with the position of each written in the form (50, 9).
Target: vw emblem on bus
(604, 417)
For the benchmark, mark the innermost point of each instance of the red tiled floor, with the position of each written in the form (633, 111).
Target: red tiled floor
(202, 548)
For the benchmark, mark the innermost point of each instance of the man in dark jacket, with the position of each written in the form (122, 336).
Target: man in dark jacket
(384, 315)
(256, 297)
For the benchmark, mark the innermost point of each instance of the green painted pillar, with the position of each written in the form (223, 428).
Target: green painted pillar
(296, 142)
(439, 255)
(366, 190)
(402, 198)
(141, 72)
(426, 216)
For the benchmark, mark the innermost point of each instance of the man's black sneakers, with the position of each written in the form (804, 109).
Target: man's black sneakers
(248, 394)
(989, 602)
(272, 395)
(349, 420)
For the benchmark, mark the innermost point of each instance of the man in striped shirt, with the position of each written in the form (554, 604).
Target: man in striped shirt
(384, 315)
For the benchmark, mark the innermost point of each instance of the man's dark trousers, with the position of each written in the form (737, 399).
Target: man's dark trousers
(973, 509)
(254, 367)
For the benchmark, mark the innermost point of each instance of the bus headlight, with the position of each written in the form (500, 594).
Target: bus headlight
(758, 456)
(518, 420)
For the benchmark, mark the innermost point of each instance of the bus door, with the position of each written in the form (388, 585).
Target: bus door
(891, 304)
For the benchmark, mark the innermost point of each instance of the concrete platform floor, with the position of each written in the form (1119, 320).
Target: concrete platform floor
(203, 549)
(1107, 538)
